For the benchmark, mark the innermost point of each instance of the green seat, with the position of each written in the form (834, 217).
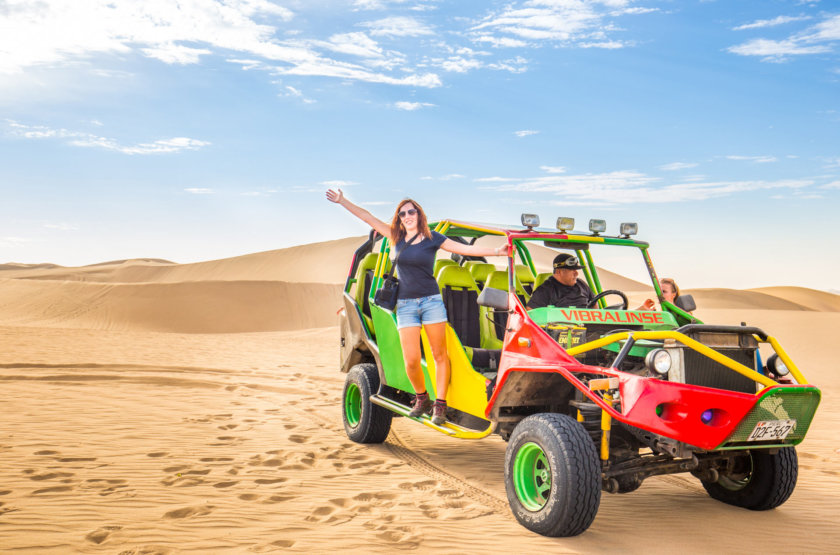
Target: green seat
(541, 277)
(480, 271)
(442, 262)
(364, 279)
(460, 296)
(526, 278)
(499, 280)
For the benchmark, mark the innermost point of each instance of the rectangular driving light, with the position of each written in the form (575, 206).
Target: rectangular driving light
(565, 224)
(530, 220)
(628, 229)
(597, 226)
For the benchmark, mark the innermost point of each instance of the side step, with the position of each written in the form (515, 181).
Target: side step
(393, 406)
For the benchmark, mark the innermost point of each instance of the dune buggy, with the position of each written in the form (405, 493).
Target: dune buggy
(589, 399)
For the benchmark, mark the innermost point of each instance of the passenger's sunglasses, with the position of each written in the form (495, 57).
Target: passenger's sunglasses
(409, 212)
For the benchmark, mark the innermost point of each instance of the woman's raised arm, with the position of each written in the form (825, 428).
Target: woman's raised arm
(381, 227)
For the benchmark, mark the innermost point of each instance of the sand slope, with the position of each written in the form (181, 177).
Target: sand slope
(156, 408)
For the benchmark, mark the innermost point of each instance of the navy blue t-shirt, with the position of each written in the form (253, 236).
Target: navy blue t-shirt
(415, 267)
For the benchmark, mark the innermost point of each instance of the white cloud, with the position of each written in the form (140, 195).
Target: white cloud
(412, 106)
(199, 191)
(356, 44)
(338, 183)
(762, 23)
(50, 33)
(568, 22)
(756, 159)
(832, 185)
(553, 169)
(61, 226)
(630, 186)
(817, 39)
(675, 166)
(397, 27)
(525, 133)
(82, 139)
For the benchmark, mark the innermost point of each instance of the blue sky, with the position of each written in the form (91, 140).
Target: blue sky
(206, 129)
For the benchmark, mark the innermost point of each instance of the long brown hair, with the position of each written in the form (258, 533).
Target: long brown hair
(398, 229)
(673, 284)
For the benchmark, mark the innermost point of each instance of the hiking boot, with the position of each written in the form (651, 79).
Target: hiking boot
(439, 412)
(422, 404)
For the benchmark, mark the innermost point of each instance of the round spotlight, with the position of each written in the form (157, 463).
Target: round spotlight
(777, 366)
(658, 360)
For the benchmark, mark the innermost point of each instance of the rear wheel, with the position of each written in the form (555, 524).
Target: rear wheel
(552, 475)
(758, 480)
(364, 422)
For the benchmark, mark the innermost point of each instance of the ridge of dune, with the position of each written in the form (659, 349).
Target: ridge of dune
(815, 300)
(323, 262)
(746, 299)
(187, 307)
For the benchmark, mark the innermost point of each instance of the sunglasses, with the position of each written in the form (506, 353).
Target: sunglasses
(409, 212)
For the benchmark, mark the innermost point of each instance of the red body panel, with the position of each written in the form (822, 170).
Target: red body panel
(682, 404)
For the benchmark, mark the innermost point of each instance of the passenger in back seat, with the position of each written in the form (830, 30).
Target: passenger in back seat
(419, 301)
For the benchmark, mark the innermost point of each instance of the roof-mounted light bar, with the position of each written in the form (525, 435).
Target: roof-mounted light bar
(530, 221)
(565, 224)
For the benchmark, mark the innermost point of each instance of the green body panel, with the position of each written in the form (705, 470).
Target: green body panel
(390, 351)
(798, 404)
(648, 318)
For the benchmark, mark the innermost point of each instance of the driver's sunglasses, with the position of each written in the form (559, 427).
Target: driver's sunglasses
(409, 212)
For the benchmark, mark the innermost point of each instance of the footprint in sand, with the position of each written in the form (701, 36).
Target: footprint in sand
(101, 534)
(298, 438)
(50, 476)
(157, 454)
(270, 480)
(319, 514)
(186, 512)
(279, 499)
(423, 485)
(45, 453)
(226, 484)
(56, 489)
(216, 459)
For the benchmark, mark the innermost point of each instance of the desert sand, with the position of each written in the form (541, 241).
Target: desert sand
(153, 407)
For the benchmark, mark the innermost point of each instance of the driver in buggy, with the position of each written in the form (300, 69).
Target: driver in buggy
(563, 288)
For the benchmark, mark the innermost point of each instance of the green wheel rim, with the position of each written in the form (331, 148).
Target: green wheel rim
(353, 405)
(532, 477)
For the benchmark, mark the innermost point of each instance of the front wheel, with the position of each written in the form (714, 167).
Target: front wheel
(758, 480)
(552, 475)
(364, 422)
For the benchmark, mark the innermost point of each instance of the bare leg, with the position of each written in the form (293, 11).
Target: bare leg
(437, 340)
(410, 342)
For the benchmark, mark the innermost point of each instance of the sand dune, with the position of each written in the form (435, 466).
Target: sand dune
(151, 407)
(189, 307)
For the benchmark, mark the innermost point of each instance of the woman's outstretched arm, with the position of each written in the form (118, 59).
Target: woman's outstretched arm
(381, 227)
(473, 250)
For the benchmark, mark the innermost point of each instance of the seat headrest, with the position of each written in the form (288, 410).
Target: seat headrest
(456, 276)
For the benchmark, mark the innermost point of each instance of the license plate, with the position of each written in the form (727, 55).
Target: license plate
(772, 430)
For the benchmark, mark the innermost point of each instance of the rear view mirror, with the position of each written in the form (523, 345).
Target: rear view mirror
(493, 298)
(686, 302)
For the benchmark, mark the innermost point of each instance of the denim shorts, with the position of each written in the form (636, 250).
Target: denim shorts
(424, 310)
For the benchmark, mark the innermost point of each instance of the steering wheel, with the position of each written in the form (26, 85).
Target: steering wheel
(623, 306)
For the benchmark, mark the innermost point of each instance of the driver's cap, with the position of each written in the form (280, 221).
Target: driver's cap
(566, 262)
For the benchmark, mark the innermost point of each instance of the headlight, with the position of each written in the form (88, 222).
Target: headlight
(627, 229)
(565, 224)
(658, 360)
(777, 366)
(530, 220)
(597, 226)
